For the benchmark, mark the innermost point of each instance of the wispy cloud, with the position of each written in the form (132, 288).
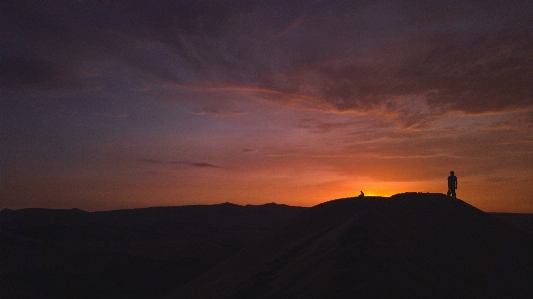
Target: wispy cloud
(338, 56)
(185, 163)
(218, 111)
(293, 25)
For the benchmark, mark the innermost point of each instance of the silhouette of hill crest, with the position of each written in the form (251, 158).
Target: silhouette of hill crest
(412, 245)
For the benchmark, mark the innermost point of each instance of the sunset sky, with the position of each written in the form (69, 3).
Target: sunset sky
(124, 104)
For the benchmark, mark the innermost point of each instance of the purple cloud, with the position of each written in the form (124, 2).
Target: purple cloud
(366, 56)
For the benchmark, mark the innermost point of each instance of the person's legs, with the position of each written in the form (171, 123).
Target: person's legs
(451, 190)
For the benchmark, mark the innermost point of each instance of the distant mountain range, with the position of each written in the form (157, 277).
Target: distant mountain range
(412, 245)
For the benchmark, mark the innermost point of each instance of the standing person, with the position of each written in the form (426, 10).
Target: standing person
(452, 184)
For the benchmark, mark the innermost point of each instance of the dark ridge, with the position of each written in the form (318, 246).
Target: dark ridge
(413, 245)
(135, 253)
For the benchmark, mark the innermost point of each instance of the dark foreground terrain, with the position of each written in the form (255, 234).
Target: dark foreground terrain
(136, 253)
(410, 245)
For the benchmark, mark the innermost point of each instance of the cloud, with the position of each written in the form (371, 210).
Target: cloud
(213, 110)
(290, 27)
(201, 164)
(489, 73)
(320, 127)
(186, 163)
(403, 60)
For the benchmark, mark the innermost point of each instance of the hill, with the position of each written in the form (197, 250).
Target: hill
(523, 222)
(136, 253)
(411, 245)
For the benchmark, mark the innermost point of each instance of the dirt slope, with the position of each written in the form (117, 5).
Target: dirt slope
(411, 245)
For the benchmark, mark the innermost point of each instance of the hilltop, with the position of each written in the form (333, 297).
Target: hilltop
(411, 245)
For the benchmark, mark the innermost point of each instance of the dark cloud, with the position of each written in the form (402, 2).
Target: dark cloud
(375, 56)
(201, 164)
(474, 74)
(488, 73)
(187, 163)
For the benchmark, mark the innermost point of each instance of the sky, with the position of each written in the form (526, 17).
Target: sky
(126, 104)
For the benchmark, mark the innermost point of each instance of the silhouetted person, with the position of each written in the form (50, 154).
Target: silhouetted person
(452, 184)
(362, 194)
